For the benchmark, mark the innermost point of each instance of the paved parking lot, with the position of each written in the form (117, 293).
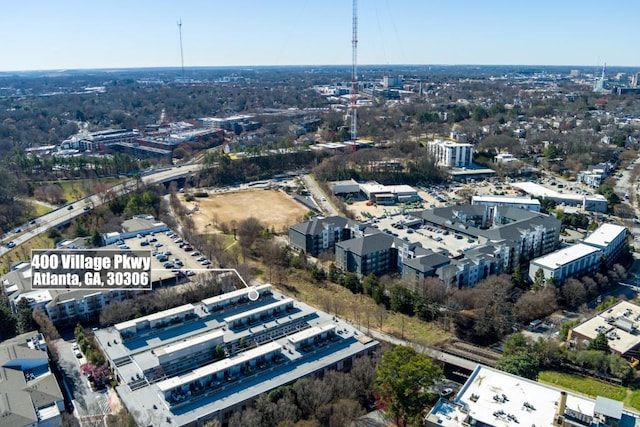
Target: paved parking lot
(429, 236)
(180, 261)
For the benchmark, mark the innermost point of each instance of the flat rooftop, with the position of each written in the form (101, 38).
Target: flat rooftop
(563, 256)
(157, 364)
(494, 398)
(541, 191)
(604, 235)
(506, 199)
(620, 324)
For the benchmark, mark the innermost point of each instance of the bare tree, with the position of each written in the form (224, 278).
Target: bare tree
(574, 293)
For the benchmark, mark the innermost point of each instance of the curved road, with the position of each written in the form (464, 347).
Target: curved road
(69, 212)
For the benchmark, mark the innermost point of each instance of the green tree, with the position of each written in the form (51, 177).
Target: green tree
(351, 282)
(538, 279)
(517, 276)
(516, 343)
(403, 381)
(333, 273)
(521, 364)
(600, 343)
(518, 357)
(369, 283)
(8, 323)
(550, 151)
(24, 317)
(96, 239)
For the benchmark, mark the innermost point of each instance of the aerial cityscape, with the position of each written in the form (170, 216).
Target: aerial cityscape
(229, 223)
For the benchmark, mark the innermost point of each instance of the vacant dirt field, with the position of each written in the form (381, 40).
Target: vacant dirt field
(273, 208)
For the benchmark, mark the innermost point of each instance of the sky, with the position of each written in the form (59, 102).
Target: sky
(74, 34)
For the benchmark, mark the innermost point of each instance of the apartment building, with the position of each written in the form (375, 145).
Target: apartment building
(451, 154)
(205, 361)
(29, 392)
(610, 239)
(584, 258)
(575, 261)
(321, 234)
(502, 236)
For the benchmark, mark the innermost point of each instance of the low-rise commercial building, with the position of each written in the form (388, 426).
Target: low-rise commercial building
(492, 398)
(507, 201)
(205, 361)
(140, 224)
(619, 323)
(594, 203)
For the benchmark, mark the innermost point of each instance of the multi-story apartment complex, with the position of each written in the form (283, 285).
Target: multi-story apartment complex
(451, 154)
(29, 392)
(321, 234)
(502, 238)
(584, 258)
(578, 260)
(518, 234)
(204, 361)
(610, 239)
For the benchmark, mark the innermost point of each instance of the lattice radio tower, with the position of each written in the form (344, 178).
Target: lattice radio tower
(354, 74)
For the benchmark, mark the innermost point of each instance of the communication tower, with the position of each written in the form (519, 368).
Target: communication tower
(181, 54)
(354, 75)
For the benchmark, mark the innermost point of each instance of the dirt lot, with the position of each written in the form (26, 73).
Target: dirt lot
(274, 209)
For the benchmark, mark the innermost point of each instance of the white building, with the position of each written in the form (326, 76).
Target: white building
(619, 323)
(451, 154)
(513, 202)
(575, 261)
(492, 398)
(505, 158)
(610, 239)
(595, 203)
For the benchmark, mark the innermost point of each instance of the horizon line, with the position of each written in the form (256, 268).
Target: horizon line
(197, 67)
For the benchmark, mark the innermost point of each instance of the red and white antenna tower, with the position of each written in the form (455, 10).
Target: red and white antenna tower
(354, 75)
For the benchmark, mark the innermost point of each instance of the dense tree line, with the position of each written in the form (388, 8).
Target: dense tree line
(220, 170)
(415, 167)
(525, 357)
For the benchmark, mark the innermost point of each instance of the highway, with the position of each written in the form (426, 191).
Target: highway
(73, 210)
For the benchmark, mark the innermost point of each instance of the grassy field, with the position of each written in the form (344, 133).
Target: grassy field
(356, 308)
(79, 188)
(275, 209)
(39, 210)
(23, 253)
(591, 387)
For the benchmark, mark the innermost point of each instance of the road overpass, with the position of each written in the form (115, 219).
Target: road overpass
(67, 213)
